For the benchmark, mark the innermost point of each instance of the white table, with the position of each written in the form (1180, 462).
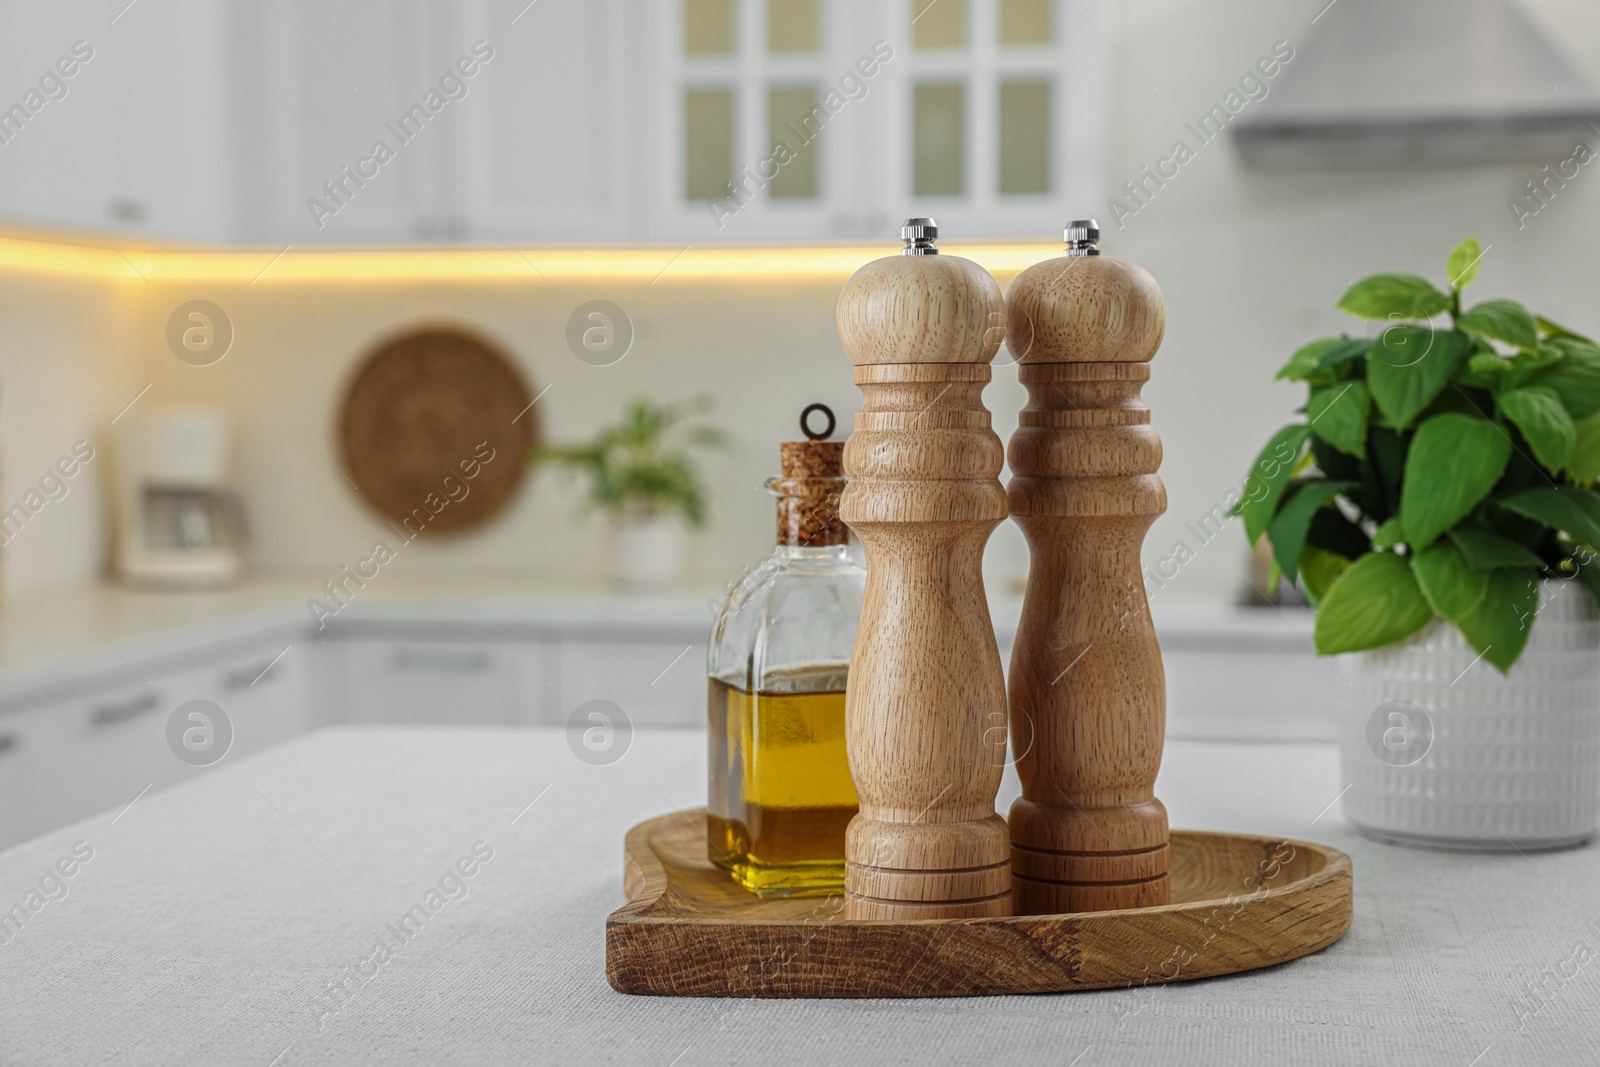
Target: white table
(213, 919)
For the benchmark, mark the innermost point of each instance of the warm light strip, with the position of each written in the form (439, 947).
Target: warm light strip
(526, 266)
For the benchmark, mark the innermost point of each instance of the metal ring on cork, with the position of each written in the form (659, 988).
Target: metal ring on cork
(805, 417)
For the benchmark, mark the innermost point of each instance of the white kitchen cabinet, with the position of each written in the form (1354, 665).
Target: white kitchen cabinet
(656, 681)
(544, 147)
(95, 751)
(140, 137)
(265, 694)
(464, 673)
(334, 82)
(532, 145)
(427, 681)
(594, 120)
(15, 816)
(986, 114)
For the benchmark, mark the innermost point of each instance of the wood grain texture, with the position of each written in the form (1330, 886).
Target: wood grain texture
(1238, 903)
(1084, 309)
(925, 700)
(921, 309)
(1087, 689)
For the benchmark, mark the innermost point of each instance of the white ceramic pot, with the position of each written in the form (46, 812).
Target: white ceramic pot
(1443, 751)
(649, 552)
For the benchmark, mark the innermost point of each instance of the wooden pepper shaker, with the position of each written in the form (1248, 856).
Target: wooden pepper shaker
(925, 691)
(1088, 694)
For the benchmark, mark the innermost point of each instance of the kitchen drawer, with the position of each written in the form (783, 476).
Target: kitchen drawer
(264, 694)
(657, 683)
(66, 759)
(14, 813)
(437, 682)
(88, 754)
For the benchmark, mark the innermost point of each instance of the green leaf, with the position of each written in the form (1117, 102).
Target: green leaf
(1390, 533)
(1387, 296)
(1338, 415)
(1353, 348)
(1453, 463)
(1488, 363)
(1320, 355)
(1501, 320)
(1538, 413)
(1268, 475)
(1575, 511)
(1375, 602)
(1485, 550)
(1288, 530)
(1462, 267)
(1318, 569)
(1409, 365)
(1575, 376)
(1584, 466)
(1452, 588)
(1498, 628)
(1525, 365)
(1555, 329)
(1306, 358)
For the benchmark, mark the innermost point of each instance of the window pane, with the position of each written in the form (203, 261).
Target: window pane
(939, 23)
(1027, 21)
(707, 27)
(707, 143)
(792, 26)
(794, 119)
(1025, 136)
(939, 139)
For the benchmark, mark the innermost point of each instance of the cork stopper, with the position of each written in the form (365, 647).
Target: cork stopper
(812, 459)
(809, 488)
(1084, 308)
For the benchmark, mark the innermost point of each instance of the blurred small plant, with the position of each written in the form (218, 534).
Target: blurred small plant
(640, 468)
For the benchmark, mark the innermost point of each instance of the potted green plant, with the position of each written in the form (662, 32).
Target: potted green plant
(640, 475)
(1437, 504)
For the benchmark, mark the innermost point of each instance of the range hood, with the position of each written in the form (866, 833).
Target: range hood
(1383, 83)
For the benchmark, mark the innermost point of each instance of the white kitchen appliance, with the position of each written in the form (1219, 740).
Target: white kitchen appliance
(179, 525)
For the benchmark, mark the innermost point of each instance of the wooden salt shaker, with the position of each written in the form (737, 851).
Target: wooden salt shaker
(925, 700)
(1088, 695)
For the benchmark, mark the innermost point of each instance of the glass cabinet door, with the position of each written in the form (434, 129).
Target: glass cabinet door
(834, 119)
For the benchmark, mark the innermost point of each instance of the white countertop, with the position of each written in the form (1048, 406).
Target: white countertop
(214, 919)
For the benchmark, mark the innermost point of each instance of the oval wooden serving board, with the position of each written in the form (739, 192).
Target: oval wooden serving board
(1238, 903)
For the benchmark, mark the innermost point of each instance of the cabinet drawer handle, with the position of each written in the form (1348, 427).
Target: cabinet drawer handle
(441, 659)
(111, 714)
(246, 677)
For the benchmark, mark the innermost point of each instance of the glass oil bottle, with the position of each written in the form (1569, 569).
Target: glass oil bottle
(780, 788)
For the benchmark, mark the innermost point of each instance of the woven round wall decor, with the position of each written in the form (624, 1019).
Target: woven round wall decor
(435, 431)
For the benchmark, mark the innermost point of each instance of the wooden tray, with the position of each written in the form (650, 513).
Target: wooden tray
(689, 930)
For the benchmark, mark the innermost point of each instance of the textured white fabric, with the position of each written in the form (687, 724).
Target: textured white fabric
(212, 919)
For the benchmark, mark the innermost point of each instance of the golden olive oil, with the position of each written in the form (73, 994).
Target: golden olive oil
(781, 794)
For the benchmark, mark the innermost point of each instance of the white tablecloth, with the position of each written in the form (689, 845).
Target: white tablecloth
(213, 923)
